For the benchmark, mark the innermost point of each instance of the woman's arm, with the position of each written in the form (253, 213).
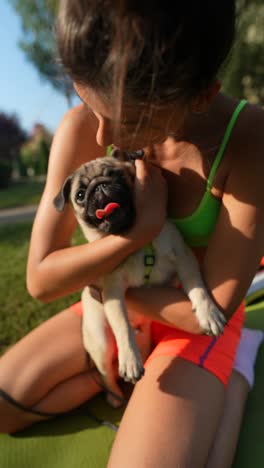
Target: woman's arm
(237, 245)
(55, 268)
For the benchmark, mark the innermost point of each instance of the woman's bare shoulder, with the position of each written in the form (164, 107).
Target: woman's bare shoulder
(78, 118)
(246, 175)
(74, 143)
(248, 141)
(246, 150)
(75, 137)
(238, 235)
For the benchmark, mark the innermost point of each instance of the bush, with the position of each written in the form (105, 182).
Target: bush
(5, 173)
(34, 154)
(11, 137)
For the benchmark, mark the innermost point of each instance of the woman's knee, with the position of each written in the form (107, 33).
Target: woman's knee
(41, 359)
(38, 363)
(172, 401)
(20, 373)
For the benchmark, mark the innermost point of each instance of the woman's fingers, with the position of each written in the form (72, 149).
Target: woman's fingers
(150, 199)
(141, 170)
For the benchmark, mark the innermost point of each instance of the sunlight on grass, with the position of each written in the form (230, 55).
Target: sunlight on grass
(21, 194)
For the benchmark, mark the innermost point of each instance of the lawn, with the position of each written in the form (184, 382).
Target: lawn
(19, 312)
(26, 192)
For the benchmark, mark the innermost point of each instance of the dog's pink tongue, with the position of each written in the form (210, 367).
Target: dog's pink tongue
(108, 209)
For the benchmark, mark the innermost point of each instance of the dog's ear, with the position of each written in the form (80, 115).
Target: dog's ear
(63, 195)
(127, 156)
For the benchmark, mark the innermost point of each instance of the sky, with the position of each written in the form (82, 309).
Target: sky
(22, 91)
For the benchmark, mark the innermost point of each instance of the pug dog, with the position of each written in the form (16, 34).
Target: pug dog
(102, 195)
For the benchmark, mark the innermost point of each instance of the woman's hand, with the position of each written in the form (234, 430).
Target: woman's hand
(150, 200)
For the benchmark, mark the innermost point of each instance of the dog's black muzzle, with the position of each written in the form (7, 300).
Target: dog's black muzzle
(102, 192)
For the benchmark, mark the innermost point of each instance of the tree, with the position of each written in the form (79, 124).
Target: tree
(34, 154)
(244, 76)
(11, 138)
(38, 43)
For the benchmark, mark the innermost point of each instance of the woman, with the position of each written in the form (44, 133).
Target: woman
(147, 74)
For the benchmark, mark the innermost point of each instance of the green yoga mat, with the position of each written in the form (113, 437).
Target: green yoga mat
(81, 439)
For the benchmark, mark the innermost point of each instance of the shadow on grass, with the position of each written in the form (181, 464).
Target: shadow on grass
(21, 193)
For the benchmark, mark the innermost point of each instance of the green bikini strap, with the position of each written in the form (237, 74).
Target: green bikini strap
(224, 143)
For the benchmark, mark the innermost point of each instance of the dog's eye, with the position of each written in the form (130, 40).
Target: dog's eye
(80, 195)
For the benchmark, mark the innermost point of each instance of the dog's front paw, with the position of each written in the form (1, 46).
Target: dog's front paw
(130, 366)
(210, 318)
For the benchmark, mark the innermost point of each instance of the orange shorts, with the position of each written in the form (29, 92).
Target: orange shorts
(215, 354)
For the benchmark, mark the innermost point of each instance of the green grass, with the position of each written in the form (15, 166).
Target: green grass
(26, 192)
(19, 312)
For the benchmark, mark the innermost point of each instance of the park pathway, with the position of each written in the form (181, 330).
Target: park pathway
(16, 215)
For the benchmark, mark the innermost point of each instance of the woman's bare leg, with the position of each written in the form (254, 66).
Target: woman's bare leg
(241, 381)
(171, 419)
(224, 447)
(180, 416)
(47, 370)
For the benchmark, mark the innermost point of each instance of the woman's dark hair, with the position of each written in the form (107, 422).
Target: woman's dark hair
(153, 51)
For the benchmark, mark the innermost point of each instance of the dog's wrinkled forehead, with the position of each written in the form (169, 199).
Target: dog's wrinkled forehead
(104, 169)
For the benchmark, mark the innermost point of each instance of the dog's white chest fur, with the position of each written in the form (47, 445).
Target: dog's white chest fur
(133, 269)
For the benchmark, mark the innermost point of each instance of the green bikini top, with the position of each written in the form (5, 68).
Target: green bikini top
(198, 227)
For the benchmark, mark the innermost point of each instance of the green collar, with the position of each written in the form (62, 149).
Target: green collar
(149, 261)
